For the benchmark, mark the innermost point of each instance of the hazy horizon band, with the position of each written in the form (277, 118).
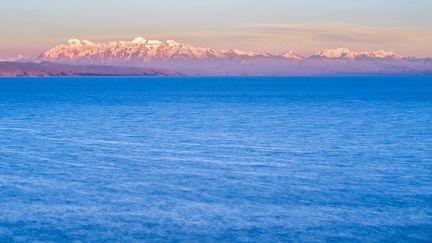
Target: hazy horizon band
(275, 26)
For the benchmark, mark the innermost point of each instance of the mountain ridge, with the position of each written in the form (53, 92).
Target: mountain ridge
(186, 59)
(146, 50)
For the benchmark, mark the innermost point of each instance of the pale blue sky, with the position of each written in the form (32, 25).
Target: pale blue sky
(405, 26)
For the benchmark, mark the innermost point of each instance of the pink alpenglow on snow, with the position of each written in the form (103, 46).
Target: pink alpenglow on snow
(186, 59)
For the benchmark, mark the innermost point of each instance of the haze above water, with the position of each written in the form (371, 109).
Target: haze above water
(216, 158)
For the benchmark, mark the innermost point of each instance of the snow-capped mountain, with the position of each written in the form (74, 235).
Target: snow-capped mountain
(292, 55)
(136, 51)
(183, 58)
(345, 53)
(139, 51)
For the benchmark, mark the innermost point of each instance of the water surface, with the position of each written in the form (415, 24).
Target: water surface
(216, 159)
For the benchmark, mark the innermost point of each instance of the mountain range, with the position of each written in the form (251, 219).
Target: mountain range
(146, 57)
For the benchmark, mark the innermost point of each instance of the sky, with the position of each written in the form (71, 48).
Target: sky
(28, 27)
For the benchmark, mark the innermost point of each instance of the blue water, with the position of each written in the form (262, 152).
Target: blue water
(216, 159)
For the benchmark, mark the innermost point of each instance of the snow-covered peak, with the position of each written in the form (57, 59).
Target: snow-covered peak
(73, 41)
(235, 52)
(172, 43)
(142, 40)
(78, 42)
(154, 42)
(380, 54)
(336, 53)
(139, 40)
(291, 55)
(348, 54)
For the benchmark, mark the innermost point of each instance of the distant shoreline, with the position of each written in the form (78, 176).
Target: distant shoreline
(47, 69)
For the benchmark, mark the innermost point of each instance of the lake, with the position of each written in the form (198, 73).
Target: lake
(267, 159)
